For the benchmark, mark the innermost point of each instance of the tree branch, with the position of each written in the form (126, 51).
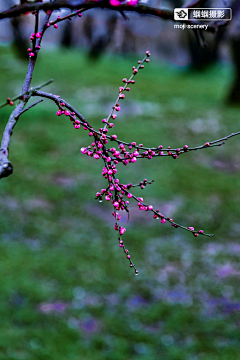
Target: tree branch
(6, 168)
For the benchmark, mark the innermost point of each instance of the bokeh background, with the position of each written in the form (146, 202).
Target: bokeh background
(66, 289)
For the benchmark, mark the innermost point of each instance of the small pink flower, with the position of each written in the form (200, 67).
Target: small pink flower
(163, 221)
(129, 195)
(96, 156)
(59, 113)
(122, 231)
(132, 2)
(114, 2)
(38, 35)
(67, 112)
(76, 126)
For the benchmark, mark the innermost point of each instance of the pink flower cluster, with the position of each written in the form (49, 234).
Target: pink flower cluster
(126, 153)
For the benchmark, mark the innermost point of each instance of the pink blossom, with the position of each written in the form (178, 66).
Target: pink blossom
(114, 2)
(122, 230)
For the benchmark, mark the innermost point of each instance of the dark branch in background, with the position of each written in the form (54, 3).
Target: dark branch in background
(86, 5)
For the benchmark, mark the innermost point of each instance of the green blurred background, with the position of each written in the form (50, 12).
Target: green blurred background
(66, 288)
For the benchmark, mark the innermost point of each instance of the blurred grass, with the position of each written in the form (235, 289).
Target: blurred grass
(66, 288)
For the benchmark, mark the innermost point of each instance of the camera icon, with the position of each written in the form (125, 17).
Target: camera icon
(180, 14)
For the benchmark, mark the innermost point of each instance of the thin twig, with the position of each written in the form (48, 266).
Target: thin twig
(21, 96)
(30, 106)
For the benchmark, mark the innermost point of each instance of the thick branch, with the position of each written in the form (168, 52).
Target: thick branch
(6, 168)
